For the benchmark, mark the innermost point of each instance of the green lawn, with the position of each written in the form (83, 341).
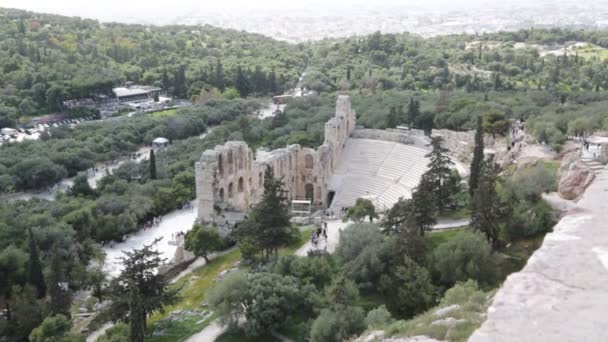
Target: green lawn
(168, 112)
(459, 214)
(239, 336)
(437, 238)
(192, 293)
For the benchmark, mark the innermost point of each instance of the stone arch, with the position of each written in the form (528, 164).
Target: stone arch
(220, 164)
(240, 185)
(230, 162)
(230, 190)
(308, 161)
(221, 194)
(309, 192)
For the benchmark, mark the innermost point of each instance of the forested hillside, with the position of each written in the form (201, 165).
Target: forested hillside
(46, 59)
(555, 78)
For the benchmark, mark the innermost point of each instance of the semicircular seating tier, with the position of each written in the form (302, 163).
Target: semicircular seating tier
(382, 171)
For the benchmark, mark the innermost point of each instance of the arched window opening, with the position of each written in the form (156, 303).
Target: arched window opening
(260, 179)
(308, 161)
(240, 186)
(309, 190)
(230, 190)
(230, 162)
(222, 194)
(241, 158)
(220, 164)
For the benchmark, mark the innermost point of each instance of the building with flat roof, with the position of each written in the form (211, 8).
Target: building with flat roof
(134, 93)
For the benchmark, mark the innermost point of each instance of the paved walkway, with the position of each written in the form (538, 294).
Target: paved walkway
(174, 222)
(333, 237)
(562, 292)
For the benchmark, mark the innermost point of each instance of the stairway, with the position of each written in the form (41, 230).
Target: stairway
(593, 164)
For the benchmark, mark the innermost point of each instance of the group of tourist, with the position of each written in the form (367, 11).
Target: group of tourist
(154, 222)
(187, 205)
(320, 233)
(344, 211)
(177, 236)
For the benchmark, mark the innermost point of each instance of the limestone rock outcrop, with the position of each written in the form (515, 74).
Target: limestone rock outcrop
(574, 177)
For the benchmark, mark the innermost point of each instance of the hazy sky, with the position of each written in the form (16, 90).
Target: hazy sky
(109, 9)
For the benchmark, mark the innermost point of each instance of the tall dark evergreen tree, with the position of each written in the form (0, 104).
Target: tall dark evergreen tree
(152, 165)
(137, 319)
(423, 209)
(220, 83)
(487, 212)
(35, 276)
(259, 80)
(59, 291)
(413, 111)
(241, 83)
(268, 223)
(179, 83)
(272, 82)
(392, 120)
(140, 270)
(477, 162)
(164, 80)
(439, 173)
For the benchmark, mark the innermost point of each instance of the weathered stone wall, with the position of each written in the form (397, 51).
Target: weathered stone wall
(461, 143)
(230, 177)
(409, 137)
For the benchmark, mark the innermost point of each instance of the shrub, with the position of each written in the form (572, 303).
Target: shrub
(338, 325)
(409, 288)
(466, 256)
(362, 252)
(378, 318)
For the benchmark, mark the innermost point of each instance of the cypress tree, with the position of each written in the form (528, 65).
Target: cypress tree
(272, 82)
(152, 165)
(439, 172)
(136, 316)
(477, 162)
(413, 111)
(423, 206)
(35, 276)
(179, 82)
(241, 83)
(486, 211)
(59, 293)
(219, 76)
(392, 120)
(164, 80)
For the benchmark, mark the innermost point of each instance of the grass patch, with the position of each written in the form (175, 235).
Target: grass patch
(438, 237)
(458, 214)
(240, 336)
(193, 289)
(162, 113)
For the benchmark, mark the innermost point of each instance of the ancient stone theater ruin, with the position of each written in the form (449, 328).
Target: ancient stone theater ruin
(351, 163)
